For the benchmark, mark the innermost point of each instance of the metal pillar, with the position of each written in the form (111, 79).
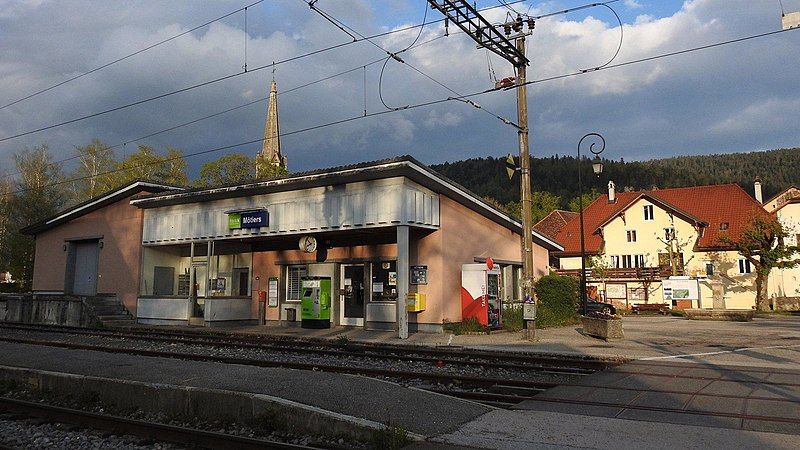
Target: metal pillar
(402, 281)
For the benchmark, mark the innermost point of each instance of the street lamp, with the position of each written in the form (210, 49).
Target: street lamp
(597, 168)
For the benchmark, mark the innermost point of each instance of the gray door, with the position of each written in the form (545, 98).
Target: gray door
(86, 257)
(163, 280)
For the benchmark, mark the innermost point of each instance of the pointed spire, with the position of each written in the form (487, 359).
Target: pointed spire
(270, 153)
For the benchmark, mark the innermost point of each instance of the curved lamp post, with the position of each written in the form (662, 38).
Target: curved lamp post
(597, 168)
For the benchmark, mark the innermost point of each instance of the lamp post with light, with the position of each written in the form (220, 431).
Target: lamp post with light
(597, 168)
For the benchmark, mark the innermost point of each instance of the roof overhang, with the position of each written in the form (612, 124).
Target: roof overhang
(404, 166)
(96, 203)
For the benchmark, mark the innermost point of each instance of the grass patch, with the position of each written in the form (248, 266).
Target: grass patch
(677, 313)
(390, 438)
(512, 318)
(468, 325)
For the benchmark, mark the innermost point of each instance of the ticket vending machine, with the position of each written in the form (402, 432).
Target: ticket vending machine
(480, 294)
(315, 302)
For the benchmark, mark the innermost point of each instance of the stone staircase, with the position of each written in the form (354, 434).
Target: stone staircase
(109, 311)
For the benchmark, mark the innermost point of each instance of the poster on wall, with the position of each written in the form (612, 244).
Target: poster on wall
(681, 289)
(273, 292)
(616, 290)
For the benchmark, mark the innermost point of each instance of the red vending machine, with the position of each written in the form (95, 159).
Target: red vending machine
(480, 294)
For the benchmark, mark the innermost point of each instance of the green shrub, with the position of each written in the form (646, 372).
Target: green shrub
(558, 301)
(512, 318)
(11, 288)
(468, 325)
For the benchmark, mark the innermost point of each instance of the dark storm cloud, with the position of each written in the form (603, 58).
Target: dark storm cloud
(736, 98)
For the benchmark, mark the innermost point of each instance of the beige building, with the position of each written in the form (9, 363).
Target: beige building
(783, 288)
(664, 246)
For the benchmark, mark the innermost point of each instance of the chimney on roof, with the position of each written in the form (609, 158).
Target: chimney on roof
(757, 189)
(612, 193)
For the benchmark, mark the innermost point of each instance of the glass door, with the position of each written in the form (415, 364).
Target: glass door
(353, 295)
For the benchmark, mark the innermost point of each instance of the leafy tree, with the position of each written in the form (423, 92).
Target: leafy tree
(763, 244)
(588, 197)
(542, 204)
(267, 170)
(148, 165)
(232, 168)
(95, 161)
(38, 196)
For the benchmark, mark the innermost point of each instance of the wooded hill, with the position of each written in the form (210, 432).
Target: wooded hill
(557, 175)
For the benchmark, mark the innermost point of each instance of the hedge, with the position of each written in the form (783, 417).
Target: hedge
(558, 301)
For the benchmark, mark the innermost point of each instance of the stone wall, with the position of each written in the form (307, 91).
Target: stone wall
(44, 309)
(785, 303)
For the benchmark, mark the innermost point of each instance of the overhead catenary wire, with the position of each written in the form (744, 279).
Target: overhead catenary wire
(418, 105)
(137, 52)
(216, 80)
(397, 58)
(262, 99)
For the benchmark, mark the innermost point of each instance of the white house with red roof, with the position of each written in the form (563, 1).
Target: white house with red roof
(783, 287)
(664, 246)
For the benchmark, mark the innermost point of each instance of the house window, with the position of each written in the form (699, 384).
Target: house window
(294, 276)
(631, 235)
(639, 259)
(709, 269)
(627, 261)
(669, 233)
(744, 266)
(384, 281)
(615, 261)
(648, 212)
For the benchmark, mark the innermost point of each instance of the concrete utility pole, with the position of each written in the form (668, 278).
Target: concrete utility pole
(466, 17)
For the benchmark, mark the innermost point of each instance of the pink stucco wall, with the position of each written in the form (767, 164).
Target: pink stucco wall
(463, 236)
(120, 225)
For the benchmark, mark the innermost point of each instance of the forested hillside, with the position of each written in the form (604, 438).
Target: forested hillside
(558, 174)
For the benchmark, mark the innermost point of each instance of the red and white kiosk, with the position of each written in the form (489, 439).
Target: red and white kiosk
(480, 293)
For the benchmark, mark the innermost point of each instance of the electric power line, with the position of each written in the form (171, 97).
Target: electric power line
(216, 80)
(137, 52)
(418, 105)
(219, 113)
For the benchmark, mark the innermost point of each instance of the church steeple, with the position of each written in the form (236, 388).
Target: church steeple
(270, 161)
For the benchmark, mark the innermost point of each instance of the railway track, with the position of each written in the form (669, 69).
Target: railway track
(188, 437)
(439, 356)
(491, 390)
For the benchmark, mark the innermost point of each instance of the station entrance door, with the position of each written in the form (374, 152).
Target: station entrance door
(352, 299)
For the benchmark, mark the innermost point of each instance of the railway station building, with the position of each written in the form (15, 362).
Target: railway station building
(376, 231)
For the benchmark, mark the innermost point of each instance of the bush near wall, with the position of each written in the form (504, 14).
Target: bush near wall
(11, 288)
(558, 301)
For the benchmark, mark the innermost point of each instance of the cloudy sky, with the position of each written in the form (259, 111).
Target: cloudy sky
(741, 97)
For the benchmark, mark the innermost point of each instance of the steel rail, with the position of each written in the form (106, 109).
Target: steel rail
(335, 350)
(189, 437)
(589, 364)
(369, 371)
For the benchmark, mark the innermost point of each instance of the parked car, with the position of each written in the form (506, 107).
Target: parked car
(594, 305)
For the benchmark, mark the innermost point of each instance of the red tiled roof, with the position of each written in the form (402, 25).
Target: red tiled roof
(713, 205)
(554, 222)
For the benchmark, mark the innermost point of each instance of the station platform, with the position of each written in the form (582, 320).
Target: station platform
(359, 401)
(355, 403)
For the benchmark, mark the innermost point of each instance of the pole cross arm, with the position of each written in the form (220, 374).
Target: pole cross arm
(480, 30)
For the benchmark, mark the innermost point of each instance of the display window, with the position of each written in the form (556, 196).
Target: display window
(384, 281)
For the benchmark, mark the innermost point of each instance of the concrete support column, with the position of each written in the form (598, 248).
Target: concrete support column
(402, 281)
(192, 282)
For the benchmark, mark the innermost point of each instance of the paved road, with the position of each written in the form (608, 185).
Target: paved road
(655, 405)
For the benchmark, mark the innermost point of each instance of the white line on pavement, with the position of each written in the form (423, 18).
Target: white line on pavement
(690, 355)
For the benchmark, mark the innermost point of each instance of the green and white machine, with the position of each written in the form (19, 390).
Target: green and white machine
(315, 302)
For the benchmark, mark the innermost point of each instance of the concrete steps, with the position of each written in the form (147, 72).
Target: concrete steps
(109, 311)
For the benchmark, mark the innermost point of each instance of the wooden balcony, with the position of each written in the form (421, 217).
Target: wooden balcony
(636, 273)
